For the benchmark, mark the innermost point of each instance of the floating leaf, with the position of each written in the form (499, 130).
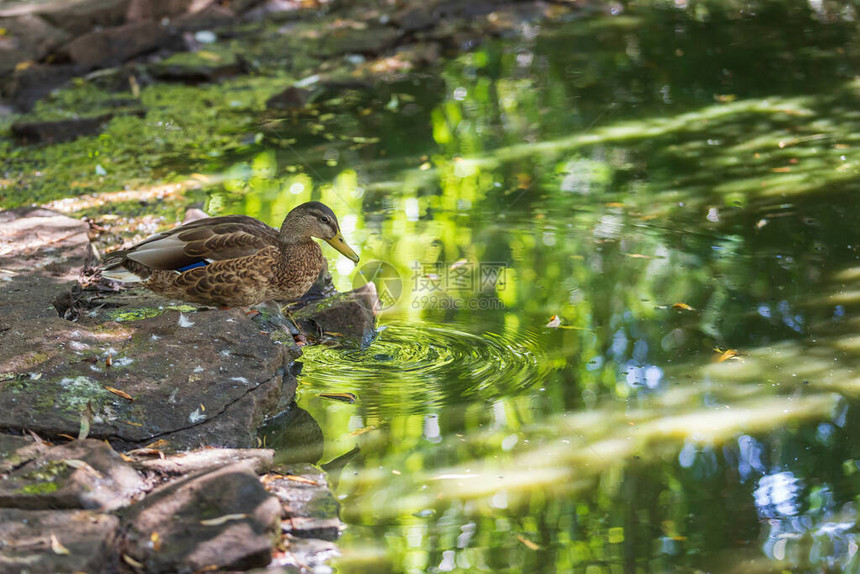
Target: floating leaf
(362, 431)
(57, 547)
(342, 397)
(727, 354)
(223, 519)
(682, 307)
(528, 543)
(554, 322)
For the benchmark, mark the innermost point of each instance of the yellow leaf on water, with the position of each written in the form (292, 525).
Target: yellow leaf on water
(729, 354)
(528, 543)
(342, 397)
(682, 307)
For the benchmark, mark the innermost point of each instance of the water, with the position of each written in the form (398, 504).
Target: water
(620, 301)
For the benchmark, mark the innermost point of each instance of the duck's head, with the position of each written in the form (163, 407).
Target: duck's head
(315, 219)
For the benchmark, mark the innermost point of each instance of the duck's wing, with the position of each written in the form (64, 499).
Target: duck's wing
(198, 243)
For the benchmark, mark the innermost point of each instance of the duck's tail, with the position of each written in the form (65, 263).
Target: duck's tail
(118, 267)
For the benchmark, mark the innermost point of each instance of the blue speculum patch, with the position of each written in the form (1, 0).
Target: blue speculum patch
(201, 263)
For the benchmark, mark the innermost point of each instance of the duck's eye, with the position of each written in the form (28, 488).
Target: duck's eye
(323, 219)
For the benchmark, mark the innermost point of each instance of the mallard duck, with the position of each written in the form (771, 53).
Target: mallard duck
(233, 260)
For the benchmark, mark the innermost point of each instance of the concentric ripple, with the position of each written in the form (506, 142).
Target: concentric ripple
(409, 367)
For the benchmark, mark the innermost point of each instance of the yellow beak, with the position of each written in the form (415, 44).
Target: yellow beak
(338, 243)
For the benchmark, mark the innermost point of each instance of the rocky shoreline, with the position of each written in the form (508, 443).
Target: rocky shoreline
(128, 432)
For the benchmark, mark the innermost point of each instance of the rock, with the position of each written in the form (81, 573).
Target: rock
(112, 46)
(295, 435)
(155, 10)
(346, 316)
(213, 16)
(310, 509)
(41, 242)
(29, 38)
(259, 460)
(290, 99)
(57, 131)
(193, 69)
(85, 474)
(369, 42)
(17, 450)
(205, 378)
(306, 554)
(80, 16)
(224, 519)
(31, 83)
(49, 541)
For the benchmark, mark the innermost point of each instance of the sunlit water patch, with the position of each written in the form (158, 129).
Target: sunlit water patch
(435, 365)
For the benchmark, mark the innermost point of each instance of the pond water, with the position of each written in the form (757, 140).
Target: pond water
(619, 260)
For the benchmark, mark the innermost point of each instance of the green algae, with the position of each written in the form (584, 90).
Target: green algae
(45, 477)
(123, 315)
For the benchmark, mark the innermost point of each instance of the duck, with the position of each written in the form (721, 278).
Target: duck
(233, 260)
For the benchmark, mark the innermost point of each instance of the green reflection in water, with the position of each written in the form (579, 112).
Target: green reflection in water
(602, 170)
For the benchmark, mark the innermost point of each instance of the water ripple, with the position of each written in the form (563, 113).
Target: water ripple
(410, 367)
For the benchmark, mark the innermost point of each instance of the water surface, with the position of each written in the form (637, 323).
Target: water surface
(618, 326)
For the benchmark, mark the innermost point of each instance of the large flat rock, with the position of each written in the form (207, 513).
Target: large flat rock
(168, 374)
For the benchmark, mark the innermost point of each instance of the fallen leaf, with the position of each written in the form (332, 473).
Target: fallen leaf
(131, 561)
(528, 543)
(156, 541)
(554, 321)
(362, 431)
(727, 354)
(223, 519)
(146, 452)
(682, 307)
(342, 397)
(57, 547)
(160, 443)
(301, 479)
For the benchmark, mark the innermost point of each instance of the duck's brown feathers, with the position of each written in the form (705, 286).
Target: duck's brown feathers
(243, 262)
